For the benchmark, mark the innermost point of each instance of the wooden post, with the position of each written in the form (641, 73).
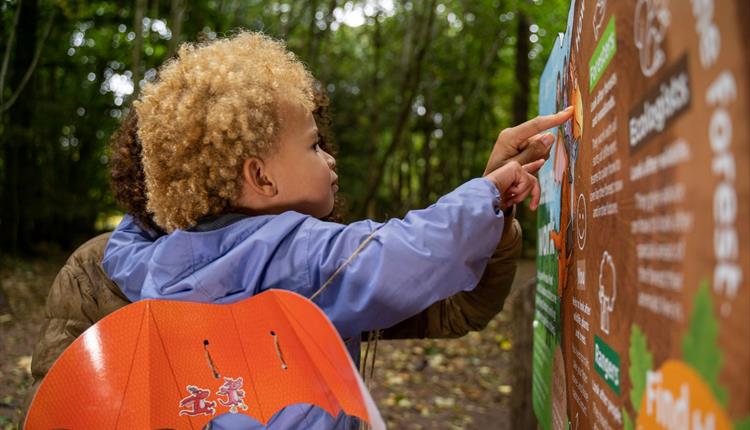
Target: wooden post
(522, 314)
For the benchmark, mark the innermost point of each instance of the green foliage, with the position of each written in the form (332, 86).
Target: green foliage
(700, 347)
(421, 109)
(641, 361)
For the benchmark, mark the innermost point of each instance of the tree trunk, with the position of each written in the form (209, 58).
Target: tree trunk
(374, 116)
(140, 8)
(522, 319)
(324, 68)
(154, 12)
(409, 86)
(293, 18)
(311, 31)
(521, 95)
(5, 308)
(178, 11)
(424, 187)
(523, 311)
(17, 141)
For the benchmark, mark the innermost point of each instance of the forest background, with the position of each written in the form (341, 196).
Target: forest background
(419, 92)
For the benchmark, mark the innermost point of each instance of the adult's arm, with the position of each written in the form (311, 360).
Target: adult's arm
(80, 295)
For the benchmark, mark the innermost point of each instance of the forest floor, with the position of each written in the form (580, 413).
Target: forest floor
(418, 384)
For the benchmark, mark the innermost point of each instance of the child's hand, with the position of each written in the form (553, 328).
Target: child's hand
(526, 142)
(516, 182)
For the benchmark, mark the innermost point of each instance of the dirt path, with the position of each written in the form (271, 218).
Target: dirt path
(26, 284)
(419, 384)
(461, 383)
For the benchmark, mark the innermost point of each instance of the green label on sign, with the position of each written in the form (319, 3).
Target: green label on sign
(607, 364)
(603, 54)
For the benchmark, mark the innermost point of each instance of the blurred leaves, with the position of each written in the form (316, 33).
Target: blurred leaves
(369, 55)
(456, 383)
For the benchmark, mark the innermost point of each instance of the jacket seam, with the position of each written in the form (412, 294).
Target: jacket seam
(307, 258)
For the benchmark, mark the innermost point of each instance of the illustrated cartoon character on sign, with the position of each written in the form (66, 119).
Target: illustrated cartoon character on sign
(607, 290)
(566, 154)
(232, 389)
(562, 239)
(196, 402)
(652, 17)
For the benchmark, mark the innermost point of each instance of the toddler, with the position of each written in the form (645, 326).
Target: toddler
(235, 175)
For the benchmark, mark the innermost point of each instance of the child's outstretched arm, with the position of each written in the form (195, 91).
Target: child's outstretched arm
(407, 265)
(411, 263)
(472, 310)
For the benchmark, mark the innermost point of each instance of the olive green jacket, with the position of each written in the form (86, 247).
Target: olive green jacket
(82, 294)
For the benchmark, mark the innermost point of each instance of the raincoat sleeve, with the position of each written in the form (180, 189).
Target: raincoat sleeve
(408, 264)
(468, 311)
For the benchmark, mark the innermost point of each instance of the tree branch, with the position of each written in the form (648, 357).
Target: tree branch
(408, 89)
(32, 66)
(178, 9)
(140, 7)
(6, 56)
(480, 82)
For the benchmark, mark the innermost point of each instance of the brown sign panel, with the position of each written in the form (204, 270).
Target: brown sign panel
(643, 295)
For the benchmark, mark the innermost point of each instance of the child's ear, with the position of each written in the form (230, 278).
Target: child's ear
(255, 175)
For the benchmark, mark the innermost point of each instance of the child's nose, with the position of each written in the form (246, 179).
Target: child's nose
(330, 160)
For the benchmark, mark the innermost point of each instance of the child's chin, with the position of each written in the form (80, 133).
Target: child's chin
(329, 209)
(323, 211)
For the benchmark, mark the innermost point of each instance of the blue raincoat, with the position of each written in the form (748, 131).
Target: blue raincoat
(409, 264)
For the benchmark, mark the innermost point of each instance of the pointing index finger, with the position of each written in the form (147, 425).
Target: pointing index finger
(541, 123)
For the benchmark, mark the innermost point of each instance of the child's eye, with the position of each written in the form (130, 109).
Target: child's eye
(316, 147)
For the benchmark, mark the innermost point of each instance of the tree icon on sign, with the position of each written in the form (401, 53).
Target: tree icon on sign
(607, 290)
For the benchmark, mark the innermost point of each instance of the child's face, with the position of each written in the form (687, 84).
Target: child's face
(304, 174)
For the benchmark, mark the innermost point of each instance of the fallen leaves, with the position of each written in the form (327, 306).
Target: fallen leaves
(448, 383)
(24, 363)
(25, 284)
(419, 384)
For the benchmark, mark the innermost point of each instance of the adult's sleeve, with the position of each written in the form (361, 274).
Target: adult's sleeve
(409, 263)
(80, 295)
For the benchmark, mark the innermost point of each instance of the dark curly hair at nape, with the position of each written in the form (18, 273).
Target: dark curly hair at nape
(126, 172)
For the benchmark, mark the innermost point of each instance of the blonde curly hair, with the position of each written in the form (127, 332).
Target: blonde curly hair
(215, 105)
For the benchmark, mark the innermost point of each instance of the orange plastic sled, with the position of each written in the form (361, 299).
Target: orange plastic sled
(168, 364)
